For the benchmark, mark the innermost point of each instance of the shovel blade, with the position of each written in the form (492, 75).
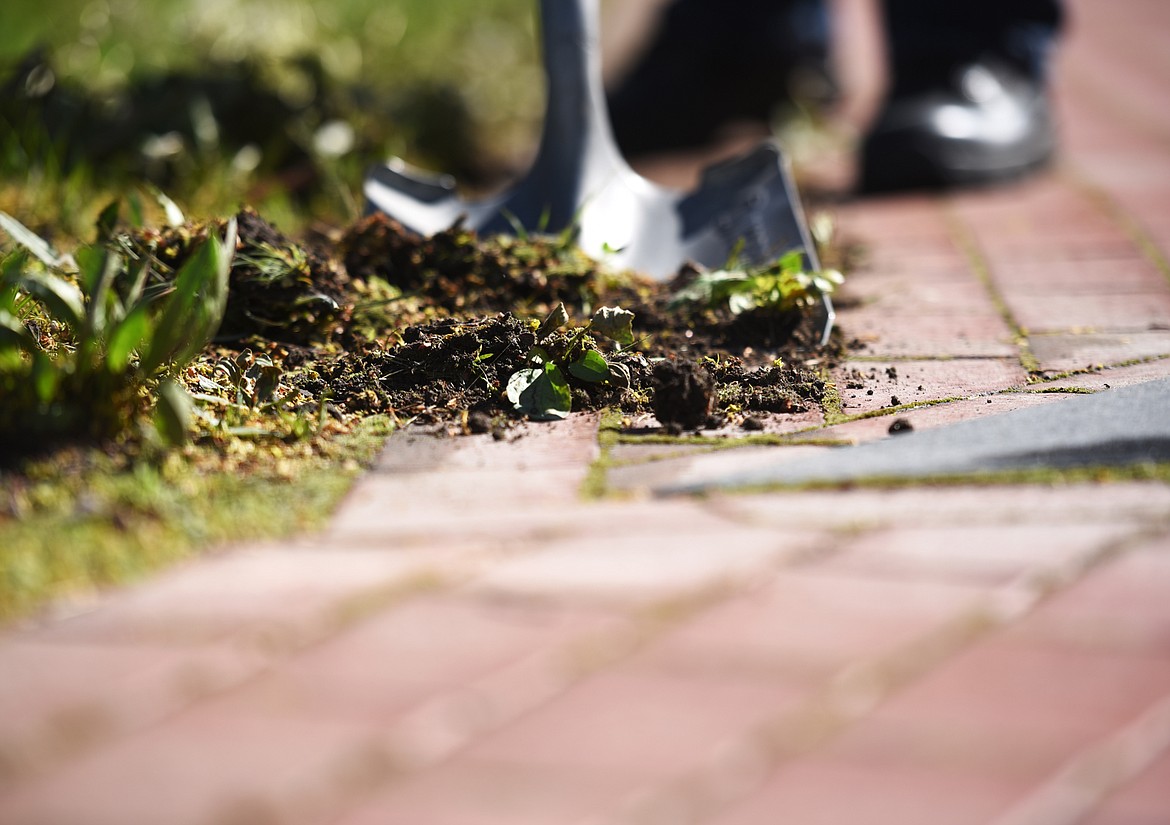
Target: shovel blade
(747, 206)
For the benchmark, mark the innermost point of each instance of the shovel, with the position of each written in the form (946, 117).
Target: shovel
(579, 179)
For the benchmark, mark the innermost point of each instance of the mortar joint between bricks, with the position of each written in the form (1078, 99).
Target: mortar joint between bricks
(967, 244)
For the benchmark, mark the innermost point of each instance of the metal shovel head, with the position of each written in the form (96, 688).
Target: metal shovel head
(579, 180)
(746, 204)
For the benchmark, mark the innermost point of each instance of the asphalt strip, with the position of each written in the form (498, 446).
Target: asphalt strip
(1113, 428)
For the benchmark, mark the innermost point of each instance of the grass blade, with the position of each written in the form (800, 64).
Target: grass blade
(33, 242)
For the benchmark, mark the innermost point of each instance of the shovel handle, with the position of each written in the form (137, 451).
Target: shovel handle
(571, 37)
(576, 122)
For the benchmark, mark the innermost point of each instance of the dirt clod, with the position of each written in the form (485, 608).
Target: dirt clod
(752, 424)
(900, 426)
(684, 393)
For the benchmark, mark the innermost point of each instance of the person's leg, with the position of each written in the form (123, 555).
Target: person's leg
(717, 61)
(968, 101)
(925, 34)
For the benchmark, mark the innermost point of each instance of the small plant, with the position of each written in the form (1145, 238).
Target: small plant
(541, 390)
(89, 345)
(782, 286)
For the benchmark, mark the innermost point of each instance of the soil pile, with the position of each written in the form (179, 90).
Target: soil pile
(377, 319)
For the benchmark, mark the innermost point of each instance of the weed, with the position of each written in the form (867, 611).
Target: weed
(88, 346)
(782, 286)
(541, 390)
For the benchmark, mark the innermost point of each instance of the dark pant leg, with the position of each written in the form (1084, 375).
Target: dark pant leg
(925, 35)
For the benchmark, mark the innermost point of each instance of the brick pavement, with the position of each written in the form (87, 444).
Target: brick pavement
(472, 642)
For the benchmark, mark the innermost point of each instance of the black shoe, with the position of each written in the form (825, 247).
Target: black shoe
(979, 124)
(710, 66)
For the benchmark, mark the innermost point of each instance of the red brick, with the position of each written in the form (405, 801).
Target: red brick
(1099, 277)
(1104, 244)
(901, 294)
(479, 792)
(902, 222)
(893, 271)
(698, 467)
(638, 723)
(1120, 607)
(953, 506)
(1036, 696)
(900, 737)
(992, 554)
(213, 764)
(819, 791)
(928, 336)
(449, 506)
(809, 627)
(918, 381)
(60, 699)
(612, 566)
(547, 445)
(268, 597)
(1061, 352)
(1135, 95)
(938, 415)
(1017, 718)
(397, 659)
(1112, 377)
(1124, 312)
(1145, 801)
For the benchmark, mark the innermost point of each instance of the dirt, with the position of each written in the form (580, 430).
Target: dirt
(376, 319)
(684, 394)
(278, 290)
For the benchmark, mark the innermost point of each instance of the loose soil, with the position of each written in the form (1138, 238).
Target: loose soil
(377, 319)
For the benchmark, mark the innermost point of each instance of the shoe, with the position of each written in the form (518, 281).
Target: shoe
(978, 124)
(708, 67)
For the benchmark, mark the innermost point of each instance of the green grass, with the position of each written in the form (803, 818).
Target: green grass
(79, 520)
(445, 84)
(385, 43)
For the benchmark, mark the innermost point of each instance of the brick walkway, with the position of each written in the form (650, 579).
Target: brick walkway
(471, 643)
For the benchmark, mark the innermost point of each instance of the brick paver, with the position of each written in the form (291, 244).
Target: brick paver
(471, 642)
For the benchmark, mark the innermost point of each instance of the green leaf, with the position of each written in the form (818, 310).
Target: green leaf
(539, 356)
(556, 319)
(33, 242)
(91, 261)
(127, 337)
(735, 255)
(14, 334)
(134, 203)
(107, 221)
(614, 323)
(175, 216)
(12, 266)
(791, 261)
(172, 414)
(741, 302)
(62, 299)
(136, 274)
(711, 289)
(519, 382)
(98, 267)
(541, 393)
(45, 377)
(827, 280)
(195, 307)
(619, 376)
(591, 366)
(267, 383)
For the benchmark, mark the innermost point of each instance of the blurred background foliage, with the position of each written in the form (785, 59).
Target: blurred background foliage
(280, 104)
